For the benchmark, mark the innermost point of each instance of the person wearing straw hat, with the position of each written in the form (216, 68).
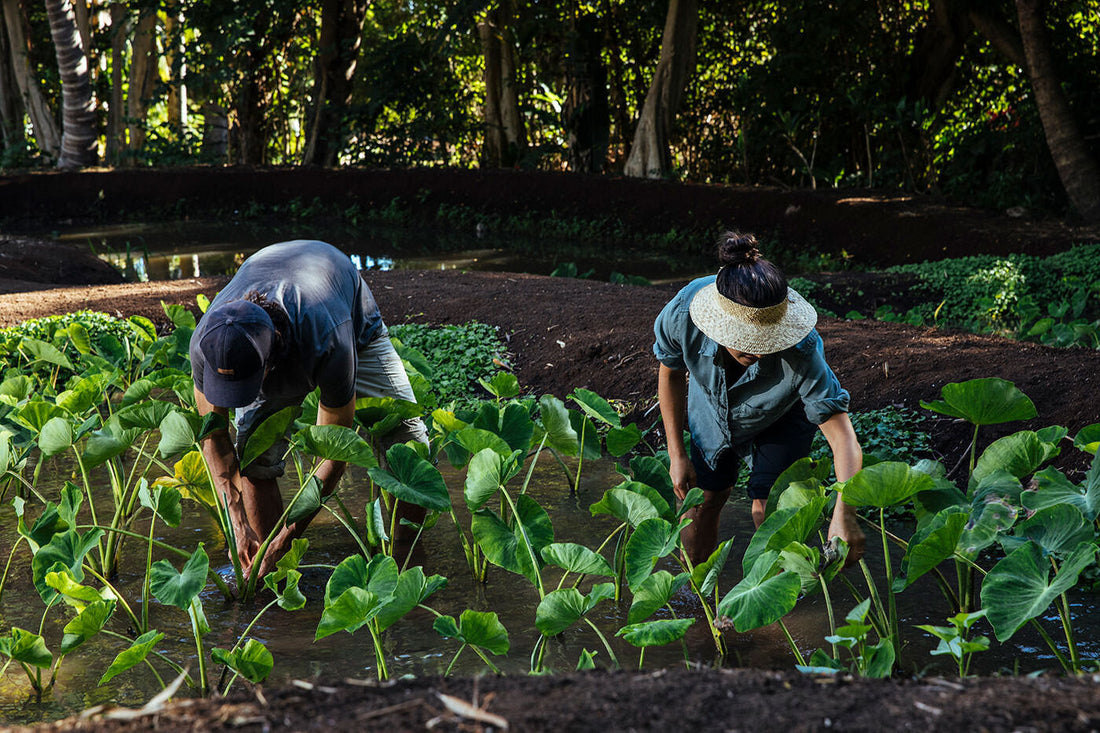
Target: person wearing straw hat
(296, 317)
(759, 390)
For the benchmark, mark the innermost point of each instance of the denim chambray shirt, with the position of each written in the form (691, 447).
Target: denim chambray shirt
(721, 416)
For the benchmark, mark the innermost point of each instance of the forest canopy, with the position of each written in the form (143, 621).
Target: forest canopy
(990, 102)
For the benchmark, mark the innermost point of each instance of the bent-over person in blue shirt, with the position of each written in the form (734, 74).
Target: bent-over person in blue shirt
(296, 317)
(759, 389)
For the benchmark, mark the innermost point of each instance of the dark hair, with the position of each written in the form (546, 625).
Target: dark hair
(279, 319)
(746, 277)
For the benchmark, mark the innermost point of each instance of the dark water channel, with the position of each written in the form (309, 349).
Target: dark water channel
(412, 647)
(175, 250)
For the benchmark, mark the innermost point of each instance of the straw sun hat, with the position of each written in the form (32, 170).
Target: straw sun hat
(752, 330)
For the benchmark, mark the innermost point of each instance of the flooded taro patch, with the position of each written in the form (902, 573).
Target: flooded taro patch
(552, 543)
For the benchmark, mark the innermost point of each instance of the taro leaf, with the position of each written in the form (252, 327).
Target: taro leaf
(651, 471)
(560, 434)
(503, 386)
(412, 479)
(885, 484)
(1056, 529)
(482, 629)
(56, 436)
(1088, 438)
(26, 647)
(621, 441)
(290, 598)
(820, 663)
(137, 652)
(375, 523)
(252, 661)
(587, 661)
(49, 523)
(146, 415)
(18, 387)
(653, 593)
(191, 480)
(515, 548)
(583, 426)
(307, 501)
(411, 589)
(180, 588)
(78, 335)
(336, 443)
(36, 414)
(986, 523)
(73, 593)
(274, 428)
(487, 472)
(414, 357)
(67, 550)
(138, 391)
(1052, 434)
(695, 497)
(82, 396)
(511, 423)
(983, 402)
(5, 450)
(1020, 454)
(178, 315)
(353, 608)
(560, 609)
(1019, 587)
(805, 561)
(879, 660)
(108, 442)
(705, 575)
(800, 493)
(292, 558)
(804, 469)
(996, 484)
(1055, 488)
(370, 411)
(783, 527)
(596, 407)
(478, 439)
(145, 328)
(178, 432)
(763, 596)
(655, 633)
(86, 624)
(380, 576)
(36, 351)
(651, 540)
(930, 545)
(164, 501)
(626, 506)
(575, 558)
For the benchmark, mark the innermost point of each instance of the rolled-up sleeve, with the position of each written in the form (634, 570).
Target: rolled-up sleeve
(820, 389)
(668, 330)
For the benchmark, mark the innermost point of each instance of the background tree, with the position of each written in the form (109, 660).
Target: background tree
(649, 153)
(505, 132)
(79, 136)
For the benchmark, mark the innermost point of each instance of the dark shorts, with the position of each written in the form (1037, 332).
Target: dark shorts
(773, 451)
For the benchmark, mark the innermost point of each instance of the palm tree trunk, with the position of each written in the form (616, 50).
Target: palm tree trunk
(42, 122)
(78, 136)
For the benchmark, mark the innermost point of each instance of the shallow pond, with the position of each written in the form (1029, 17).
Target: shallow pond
(412, 646)
(174, 250)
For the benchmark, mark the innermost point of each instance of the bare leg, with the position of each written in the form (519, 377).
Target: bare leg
(701, 536)
(759, 506)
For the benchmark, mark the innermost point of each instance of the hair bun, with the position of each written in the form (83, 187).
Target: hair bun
(736, 249)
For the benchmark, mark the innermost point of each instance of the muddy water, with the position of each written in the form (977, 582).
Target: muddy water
(412, 647)
(163, 251)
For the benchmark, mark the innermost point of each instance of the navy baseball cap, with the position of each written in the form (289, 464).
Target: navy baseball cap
(235, 345)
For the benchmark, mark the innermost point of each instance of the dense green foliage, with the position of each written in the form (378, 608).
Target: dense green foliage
(459, 355)
(928, 100)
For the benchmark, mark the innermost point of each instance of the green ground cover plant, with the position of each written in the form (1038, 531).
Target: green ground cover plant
(1005, 544)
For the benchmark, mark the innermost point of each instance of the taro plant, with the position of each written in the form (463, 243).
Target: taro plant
(481, 631)
(865, 660)
(956, 641)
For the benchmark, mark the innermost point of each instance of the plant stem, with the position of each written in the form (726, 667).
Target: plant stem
(790, 640)
(829, 611)
(454, 659)
(606, 645)
(204, 685)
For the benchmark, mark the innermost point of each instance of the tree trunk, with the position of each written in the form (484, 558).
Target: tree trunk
(78, 137)
(505, 134)
(43, 124)
(116, 129)
(174, 55)
(934, 62)
(333, 72)
(12, 109)
(252, 91)
(585, 112)
(215, 132)
(649, 153)
(1076, 166)
(143, 78)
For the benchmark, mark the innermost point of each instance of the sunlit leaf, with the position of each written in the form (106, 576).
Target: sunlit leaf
(885, 484)
(412, 479)
(252, 661)
(983, 402)
(651, 540)
(476, 628)
(575, 558)
(562, 608)
(336, 443)
(26, 647)
(138, 650)
(86, 624)
(596, 407)
(783, 527)
(763, 596)
(179, 588)
(655, 633)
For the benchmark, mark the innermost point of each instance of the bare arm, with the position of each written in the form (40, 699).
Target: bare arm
(847, 460)
(329, 472)
(672, 397)
(218, 450)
